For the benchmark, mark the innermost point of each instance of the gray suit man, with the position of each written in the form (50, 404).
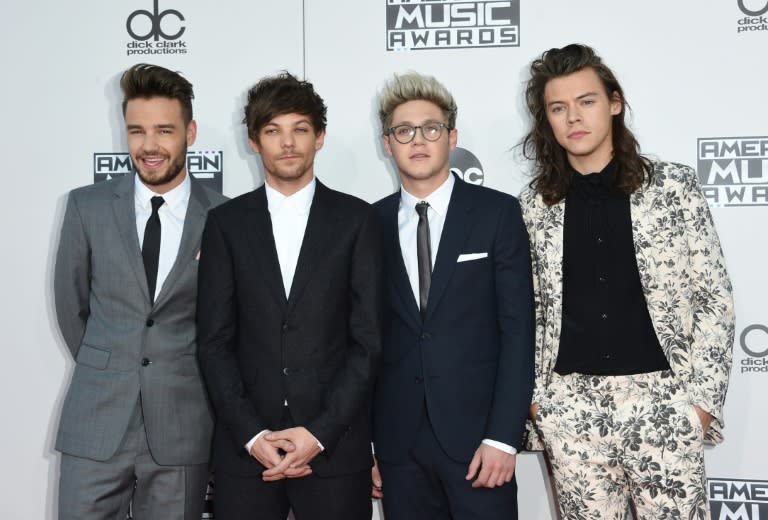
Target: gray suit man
(136, 425)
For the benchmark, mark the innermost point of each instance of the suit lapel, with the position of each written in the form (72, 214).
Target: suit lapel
(125, 217)
(641, 205)
(194, 220)
(317, 236)
(551, 235)
(398, 275)
(458, 223)
(261, 241)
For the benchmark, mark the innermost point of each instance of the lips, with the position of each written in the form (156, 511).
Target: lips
(577, 135)
(152, 162)
(418, 156)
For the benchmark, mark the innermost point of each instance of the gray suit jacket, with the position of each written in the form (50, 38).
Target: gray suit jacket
(124, 347)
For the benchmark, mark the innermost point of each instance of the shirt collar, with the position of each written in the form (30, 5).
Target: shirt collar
(301, 201)
(438, 200)
(174, 198)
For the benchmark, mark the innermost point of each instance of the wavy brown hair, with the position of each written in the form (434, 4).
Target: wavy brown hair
(551, 177)
(282, 94)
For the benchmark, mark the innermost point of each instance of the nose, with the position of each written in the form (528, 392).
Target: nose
(418, 136)
(288, 140)
(149, 142)
(574, 114)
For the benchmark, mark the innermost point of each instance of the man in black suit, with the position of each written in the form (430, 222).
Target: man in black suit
(452, 394)
(290, 295)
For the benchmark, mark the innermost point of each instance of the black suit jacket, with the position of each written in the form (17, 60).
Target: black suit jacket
(470, 360)
(318, 349)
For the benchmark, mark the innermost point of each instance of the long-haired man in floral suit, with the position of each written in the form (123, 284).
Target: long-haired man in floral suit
(634, 315)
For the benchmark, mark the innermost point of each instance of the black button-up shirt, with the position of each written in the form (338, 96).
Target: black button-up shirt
(606, 328)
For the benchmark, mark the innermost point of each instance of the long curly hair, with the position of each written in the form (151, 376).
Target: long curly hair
(551, 177)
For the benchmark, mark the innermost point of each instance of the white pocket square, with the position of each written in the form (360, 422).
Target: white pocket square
(466, 257)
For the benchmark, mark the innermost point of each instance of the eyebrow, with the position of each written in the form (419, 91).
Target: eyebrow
(582, 96)
(299, 122)
(426, 122)
(162, 126)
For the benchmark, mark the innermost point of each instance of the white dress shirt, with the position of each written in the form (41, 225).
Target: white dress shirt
(289, 216)
(407, 220)
(171, 213)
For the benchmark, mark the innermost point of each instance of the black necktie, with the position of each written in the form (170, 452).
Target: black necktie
(423, 255)
(150, 249)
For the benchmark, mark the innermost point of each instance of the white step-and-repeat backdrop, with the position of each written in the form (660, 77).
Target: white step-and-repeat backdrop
(694, 72)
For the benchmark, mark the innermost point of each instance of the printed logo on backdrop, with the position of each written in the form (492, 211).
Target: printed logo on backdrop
(755, 16)
(206, 166)
(735, 499)
(734, 170)
(464, 164)
(155, 32)
(754, 342)
(452, 24)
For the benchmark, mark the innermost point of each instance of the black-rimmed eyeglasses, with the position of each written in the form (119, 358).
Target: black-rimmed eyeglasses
(404, 134)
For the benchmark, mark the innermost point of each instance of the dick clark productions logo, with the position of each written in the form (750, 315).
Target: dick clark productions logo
(754, 19)
(164, 29)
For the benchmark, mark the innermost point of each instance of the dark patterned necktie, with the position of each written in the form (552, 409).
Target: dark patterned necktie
(423, 255)
(150, 248)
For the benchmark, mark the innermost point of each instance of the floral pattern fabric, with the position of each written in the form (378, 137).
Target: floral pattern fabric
(684, 278)
(610, 438)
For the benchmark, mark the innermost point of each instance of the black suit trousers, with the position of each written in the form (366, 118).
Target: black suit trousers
(347, 497)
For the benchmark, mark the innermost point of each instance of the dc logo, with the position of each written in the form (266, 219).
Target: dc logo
(156, 23)
(748, 12)
(756, 347)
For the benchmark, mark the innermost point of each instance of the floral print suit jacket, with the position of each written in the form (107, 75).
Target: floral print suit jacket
(684, 279)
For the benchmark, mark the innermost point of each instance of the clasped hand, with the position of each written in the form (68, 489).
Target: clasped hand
(285, 453)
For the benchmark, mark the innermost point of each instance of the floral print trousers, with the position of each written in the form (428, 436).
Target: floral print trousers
(612, 440)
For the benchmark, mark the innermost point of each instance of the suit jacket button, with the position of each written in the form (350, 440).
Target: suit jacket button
(285, 326)
(286, 371)
(145, 362)
(419, 380)
(150, 322)
(426, 336)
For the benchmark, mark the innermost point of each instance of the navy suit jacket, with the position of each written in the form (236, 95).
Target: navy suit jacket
(469, 361)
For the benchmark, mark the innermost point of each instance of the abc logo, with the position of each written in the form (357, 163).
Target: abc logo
(466, 166)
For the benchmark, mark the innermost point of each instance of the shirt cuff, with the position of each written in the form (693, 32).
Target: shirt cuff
(255, 438)
(506, 448)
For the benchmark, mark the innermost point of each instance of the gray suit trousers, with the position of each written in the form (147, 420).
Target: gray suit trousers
(132, 479)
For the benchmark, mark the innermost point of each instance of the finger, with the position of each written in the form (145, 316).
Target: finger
(298, 472)
(484, 477)
(284, 444)
(279, 468)
(272, 478)
(473, 467)
(376, 493)
(266, 455)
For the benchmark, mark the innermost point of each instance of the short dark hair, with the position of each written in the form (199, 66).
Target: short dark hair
(145, 81)
(282, 94)
(551, 177)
